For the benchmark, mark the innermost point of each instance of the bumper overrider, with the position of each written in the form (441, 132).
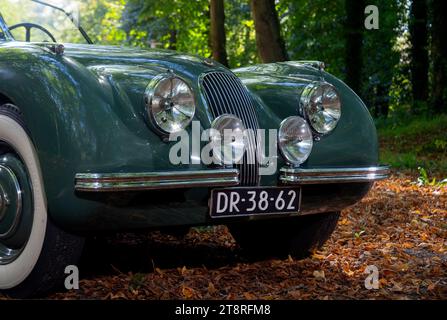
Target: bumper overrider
(114, 182)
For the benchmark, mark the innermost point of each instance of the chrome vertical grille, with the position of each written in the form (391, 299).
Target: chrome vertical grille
(225, 94)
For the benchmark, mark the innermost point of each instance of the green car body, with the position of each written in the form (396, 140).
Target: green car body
(85, 112)
(80, 153)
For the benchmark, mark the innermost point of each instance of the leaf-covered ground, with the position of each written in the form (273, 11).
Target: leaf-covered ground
(400, 228)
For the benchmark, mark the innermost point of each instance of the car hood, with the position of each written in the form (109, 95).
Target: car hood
(128, 71)
(156, 59)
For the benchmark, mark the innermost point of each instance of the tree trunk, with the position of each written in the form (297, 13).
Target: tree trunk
(439, 56)
(218, 36)
(354, 43)
(271, 47)
(419, 53)
(383, 103)
(172, 40)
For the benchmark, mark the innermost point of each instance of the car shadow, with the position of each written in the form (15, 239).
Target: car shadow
(142, 253)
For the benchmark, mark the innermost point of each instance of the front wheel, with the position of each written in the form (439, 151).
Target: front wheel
(33, 251)
(297, 236)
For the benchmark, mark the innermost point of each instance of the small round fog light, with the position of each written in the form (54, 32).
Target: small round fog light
(295, 140)
(228, 139)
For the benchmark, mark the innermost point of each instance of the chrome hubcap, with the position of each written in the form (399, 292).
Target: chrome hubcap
(16, 207)
(9, 189)
(2, 204)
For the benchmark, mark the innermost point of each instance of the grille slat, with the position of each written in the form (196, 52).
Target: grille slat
(229, 101)
(225, 94)
(215, 102)
(241, 113)
(224, 98)
(208, 98)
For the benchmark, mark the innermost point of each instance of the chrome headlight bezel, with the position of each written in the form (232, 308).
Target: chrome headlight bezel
(149, 95)
(306, 132)
(310, 109)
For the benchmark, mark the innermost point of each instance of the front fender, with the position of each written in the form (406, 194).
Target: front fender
(78, 123)
(277, 88)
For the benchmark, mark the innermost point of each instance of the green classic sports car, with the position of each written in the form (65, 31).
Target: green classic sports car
(102, 138)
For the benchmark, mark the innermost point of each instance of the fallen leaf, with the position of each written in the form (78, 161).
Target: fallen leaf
(319, 275)
(187, 292)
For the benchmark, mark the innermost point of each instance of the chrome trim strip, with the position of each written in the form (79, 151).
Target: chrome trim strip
(111, 182)
(333, 175)
(4, 29)
(320, 65)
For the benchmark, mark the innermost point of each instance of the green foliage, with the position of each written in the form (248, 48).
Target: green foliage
(101, 19)
(382, 57)
(441, 144)
(412, 127)
(358, 234)
(137, 280)
(184, 25)
(412, 142)
(313, 30)
(241, 37)
(424, 180)
(176, 24)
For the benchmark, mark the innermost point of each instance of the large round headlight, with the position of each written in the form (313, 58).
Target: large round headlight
(228, 139)
(322, 106)
(170, 103)
(295, 140)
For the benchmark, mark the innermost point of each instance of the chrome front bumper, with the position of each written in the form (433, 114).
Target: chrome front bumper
(333, 175)
(111, 182)
(97, 182)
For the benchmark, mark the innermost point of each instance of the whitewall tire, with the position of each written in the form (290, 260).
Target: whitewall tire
(34, 254)
(14, 273)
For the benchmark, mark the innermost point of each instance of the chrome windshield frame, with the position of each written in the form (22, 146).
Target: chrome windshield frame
(4, 29)
(8, 36)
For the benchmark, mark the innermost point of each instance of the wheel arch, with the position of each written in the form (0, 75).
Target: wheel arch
(5, 99)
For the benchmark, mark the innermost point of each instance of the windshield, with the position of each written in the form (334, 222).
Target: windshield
(28, 20)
